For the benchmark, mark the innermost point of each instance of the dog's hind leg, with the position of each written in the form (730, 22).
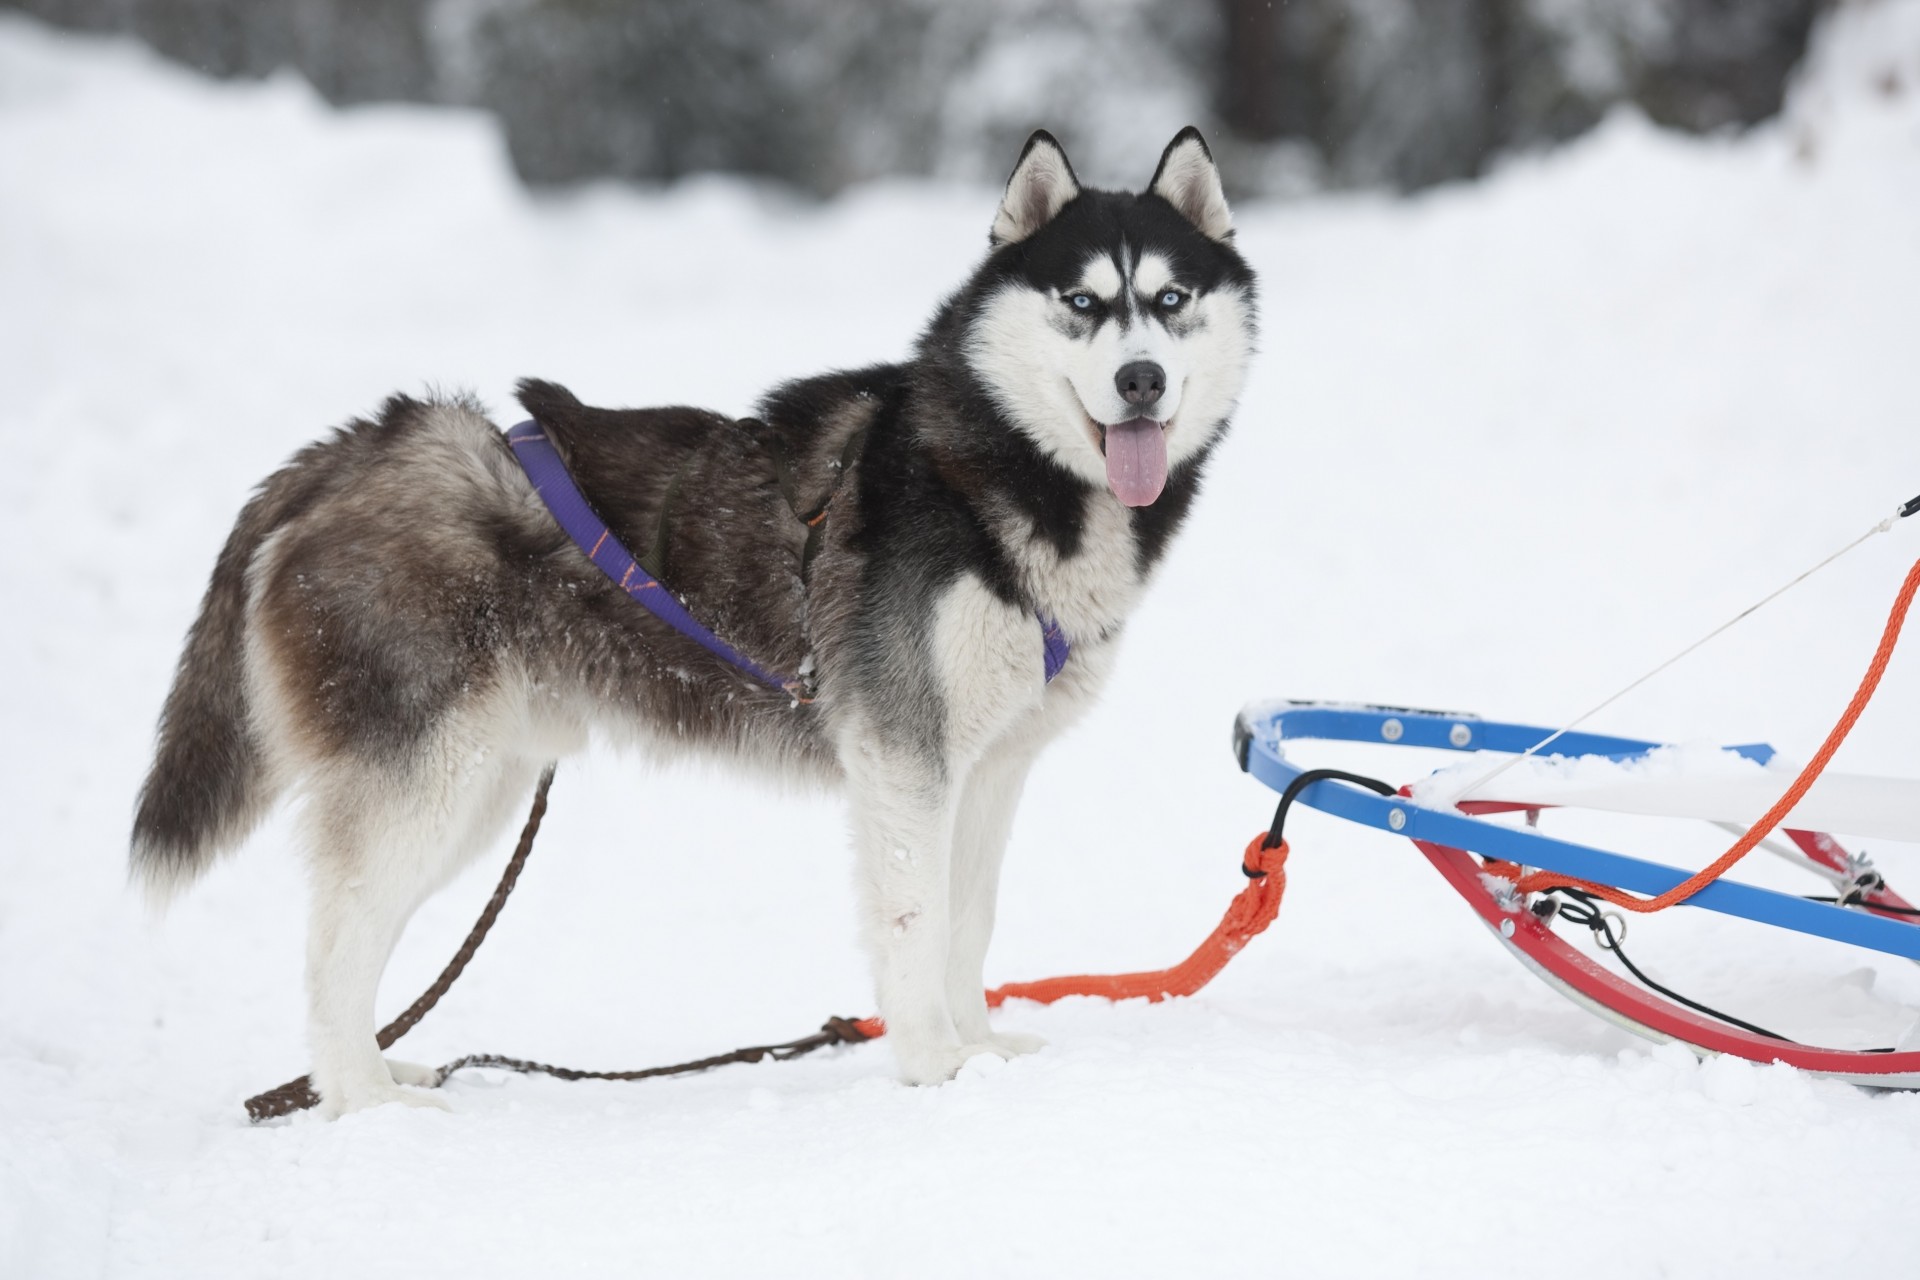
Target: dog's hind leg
(499, 797)
(380, 849)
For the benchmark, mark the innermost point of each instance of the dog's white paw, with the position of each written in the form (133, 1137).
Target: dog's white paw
(335, 1103)
(1014, 1044)
(939, 1063)
(413, 1073)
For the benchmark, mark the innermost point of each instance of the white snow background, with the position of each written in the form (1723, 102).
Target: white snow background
(1506, 446)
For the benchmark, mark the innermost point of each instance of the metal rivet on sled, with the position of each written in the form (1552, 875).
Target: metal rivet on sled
(1397, 819)
(1506, 928)
(1460, 735)
(1391, 730)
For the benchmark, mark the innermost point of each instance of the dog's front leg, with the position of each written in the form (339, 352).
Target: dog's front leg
(902, 803)
(984, 821)
(928, 884)
(909, 754)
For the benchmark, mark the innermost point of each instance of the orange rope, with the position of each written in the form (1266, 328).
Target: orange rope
(1251, 911)
(1543, 880)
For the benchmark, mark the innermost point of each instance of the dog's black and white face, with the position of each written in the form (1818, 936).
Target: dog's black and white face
(1114, 329)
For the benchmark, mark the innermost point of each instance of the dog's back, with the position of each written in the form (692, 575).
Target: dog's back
(728, 513)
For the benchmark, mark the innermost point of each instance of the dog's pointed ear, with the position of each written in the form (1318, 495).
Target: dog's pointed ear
(1041, 185)
(1188, 180)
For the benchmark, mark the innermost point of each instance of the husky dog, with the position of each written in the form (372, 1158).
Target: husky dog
(398, 630)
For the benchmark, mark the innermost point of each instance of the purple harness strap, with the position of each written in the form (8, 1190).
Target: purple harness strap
(548, 472)
(574, 514)
(1058, 647)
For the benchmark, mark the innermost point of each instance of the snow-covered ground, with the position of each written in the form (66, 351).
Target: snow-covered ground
(1506, 446)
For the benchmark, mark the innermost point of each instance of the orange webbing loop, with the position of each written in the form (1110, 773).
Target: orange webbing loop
(1250, 912)
(1542, 880)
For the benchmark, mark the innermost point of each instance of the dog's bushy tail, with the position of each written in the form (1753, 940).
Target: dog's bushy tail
(208, 787)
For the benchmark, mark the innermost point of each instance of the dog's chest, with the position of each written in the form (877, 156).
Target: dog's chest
(1090, 589)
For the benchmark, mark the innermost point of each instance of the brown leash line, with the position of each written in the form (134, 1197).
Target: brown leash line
(298, 1095)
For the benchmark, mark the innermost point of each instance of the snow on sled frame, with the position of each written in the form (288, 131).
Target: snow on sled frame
(1450, 839)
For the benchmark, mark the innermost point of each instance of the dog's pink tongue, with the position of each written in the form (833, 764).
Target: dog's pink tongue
(1137, 461)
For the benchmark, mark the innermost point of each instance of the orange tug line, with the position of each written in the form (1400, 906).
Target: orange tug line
(1250, 912)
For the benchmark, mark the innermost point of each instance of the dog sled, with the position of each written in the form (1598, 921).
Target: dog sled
(1482, 830)
(1533, 889)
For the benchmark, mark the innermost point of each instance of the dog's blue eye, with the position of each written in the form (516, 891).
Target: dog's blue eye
(1172, 298)
(1082, 301)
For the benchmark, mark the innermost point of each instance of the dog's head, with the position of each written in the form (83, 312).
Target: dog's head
(1114, 329)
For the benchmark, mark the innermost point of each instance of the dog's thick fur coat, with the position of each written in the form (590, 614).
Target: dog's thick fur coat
(398, 629)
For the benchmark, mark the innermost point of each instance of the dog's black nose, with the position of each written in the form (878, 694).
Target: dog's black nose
(1141, 382)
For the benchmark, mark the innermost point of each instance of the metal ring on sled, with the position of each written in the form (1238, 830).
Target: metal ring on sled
(1450, 839)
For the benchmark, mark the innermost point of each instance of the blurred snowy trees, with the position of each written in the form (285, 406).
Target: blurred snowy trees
(821, 93)
(1413, 92)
